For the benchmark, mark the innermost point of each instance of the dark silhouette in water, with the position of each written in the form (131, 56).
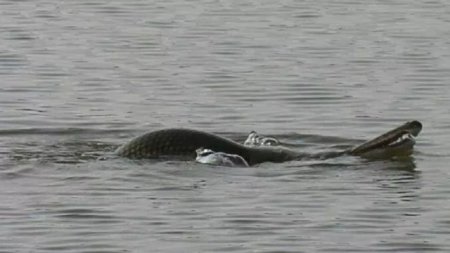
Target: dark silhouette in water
(185, 142)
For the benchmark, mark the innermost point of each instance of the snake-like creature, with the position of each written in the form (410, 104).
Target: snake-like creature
(184, 143)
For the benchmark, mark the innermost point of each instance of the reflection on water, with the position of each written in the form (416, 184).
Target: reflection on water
(80, 78)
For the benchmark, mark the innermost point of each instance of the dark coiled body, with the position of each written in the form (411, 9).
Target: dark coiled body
(184, 142)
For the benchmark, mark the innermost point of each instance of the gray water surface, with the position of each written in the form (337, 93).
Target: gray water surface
(80, 78)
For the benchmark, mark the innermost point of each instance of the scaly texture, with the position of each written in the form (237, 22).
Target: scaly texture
(184, 142)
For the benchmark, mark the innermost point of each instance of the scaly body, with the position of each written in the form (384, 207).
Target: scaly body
(185, 142)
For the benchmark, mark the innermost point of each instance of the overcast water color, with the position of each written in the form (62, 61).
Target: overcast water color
(80, 78)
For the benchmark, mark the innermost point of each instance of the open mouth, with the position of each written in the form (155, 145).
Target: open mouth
(398, 140)
(406, 138)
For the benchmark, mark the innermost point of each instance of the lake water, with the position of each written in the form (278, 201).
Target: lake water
(80, 78)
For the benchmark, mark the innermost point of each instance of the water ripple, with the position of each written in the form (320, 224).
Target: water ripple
(80, 78)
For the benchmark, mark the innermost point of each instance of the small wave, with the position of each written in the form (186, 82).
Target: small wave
(59, 131)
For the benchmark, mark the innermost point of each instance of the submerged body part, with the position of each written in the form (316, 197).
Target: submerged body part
(185, 142)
